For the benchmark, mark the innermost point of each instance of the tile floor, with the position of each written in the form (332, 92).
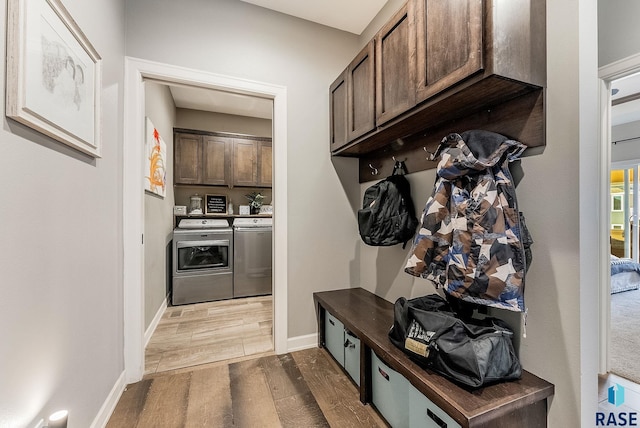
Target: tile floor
(203, 333)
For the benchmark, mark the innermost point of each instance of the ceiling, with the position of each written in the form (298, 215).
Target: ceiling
(221, 102)
(347, 15)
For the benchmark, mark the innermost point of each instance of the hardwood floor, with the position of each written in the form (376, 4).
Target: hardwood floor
(203, 333)
(302, 389)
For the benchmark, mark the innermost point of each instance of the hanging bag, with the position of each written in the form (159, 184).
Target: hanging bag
(388, 215)
(471, 352)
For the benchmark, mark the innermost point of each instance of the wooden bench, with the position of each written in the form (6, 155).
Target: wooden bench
(521, 403)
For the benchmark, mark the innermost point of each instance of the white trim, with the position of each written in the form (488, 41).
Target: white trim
(154, 322)
(136, 72)
(109, 405)
(607, 74)
(299, 343)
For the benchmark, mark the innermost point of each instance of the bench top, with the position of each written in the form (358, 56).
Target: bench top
(370, 317)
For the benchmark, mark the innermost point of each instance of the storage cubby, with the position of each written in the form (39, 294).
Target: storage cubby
(343, 345)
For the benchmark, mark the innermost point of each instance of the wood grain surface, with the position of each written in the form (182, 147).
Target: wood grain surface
(301, 389)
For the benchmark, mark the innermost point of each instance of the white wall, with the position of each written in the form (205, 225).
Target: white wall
(625, 150)
(158, 212)
(618, 30)
(241, 40)
(61, 258)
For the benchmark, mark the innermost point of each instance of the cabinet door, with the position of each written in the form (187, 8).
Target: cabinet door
(361, 93)
(188, 159)
(216, 162)
(396, 65)
(265, 164)
(245, 167)
(449, 43)
(338, 113)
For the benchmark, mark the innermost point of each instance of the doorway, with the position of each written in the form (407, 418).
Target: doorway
(608, 74)
(136, 73)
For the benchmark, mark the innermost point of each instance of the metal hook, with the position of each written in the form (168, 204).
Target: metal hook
(431, 154)
(395, 160)
(374, 170)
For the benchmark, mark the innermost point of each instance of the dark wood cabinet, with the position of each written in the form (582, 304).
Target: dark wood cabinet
(252, 160)
(245, 166)
(187, 159)
(222, 159)
(201, 159)
(441, 67)
(396, 65)
(338, 114)
(216, 160)
(361, 93)
(449, 43)
(265, 164)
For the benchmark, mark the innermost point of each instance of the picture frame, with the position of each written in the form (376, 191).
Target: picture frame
(155, 175)
(215, 204)
(54, 75)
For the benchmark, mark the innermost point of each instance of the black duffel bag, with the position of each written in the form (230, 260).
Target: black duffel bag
(473, 353)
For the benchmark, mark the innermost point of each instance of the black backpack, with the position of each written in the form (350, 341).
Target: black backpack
(388, 215)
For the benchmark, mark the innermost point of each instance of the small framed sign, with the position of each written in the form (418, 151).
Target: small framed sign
(215, 204)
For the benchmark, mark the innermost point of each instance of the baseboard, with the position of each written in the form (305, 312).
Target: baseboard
(154, 322)
(302, 342)
(102, 418)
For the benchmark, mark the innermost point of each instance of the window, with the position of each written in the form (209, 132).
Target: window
(617, 202)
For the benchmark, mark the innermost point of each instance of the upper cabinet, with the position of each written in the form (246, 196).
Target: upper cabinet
(187, 158)
(220, 159)
(442, 65)
(361, 93)
(449, 39)
(245, 163)
(265, 164)
(396, 65)
(216, 160)
(338, 118)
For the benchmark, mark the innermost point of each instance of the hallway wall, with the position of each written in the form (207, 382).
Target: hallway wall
(61, 262)
(237, 39)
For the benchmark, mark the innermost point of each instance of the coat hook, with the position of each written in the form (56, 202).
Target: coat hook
(431, 155)
(395, 160)
(374, 170)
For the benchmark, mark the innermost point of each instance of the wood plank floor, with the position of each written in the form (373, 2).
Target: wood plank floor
(203, 333)
(302, 389)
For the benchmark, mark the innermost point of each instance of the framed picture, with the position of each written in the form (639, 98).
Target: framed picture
(215, 204)
(155, 176)
(53, 74)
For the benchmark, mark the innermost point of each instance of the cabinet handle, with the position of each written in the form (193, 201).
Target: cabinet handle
(331, 322)
(383, 373)
(436, 419)
(349, 344)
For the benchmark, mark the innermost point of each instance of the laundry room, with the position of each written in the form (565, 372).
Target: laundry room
(208, 226)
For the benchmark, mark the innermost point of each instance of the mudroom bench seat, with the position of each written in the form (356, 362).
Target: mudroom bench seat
(353, 325)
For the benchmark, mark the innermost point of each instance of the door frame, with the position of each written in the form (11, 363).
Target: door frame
(137, 71)
(606, 75)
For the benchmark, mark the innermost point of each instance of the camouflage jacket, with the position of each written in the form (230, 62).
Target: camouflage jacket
(473, 240)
